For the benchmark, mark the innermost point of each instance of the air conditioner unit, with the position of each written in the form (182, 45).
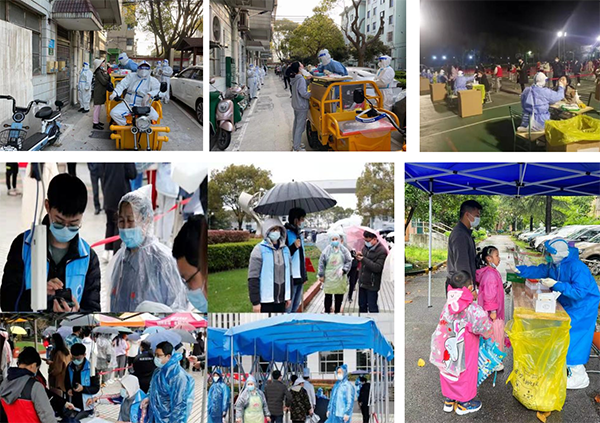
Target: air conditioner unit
(244, 21)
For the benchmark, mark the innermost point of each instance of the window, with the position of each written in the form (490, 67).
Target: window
(186, 73)
(390, 36)
(368, 14)
(368, 26)
(391, 3)
(374, 12)
(383, 14)
(24, 18)
(351, 18)
(130, 41)
(391, 20)
(363, 360)
(374, 26)
(130, 27)
(330, 360)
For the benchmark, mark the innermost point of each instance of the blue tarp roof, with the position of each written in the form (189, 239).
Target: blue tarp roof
(509, 179)
(217, 354)
(292, 337)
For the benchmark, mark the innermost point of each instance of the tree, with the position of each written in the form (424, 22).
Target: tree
(375, 191)
(218, 217)
(170, 21)
(230, 182)
(359, 40)
(373, 51)
(316, 33)
(282, 33)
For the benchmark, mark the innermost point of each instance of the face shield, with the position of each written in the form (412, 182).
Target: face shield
(324, 57)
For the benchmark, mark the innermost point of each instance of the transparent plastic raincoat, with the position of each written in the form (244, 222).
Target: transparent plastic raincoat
(218, 399)
(146, 273)
(171, 393)
(342, 399)
(251, 406)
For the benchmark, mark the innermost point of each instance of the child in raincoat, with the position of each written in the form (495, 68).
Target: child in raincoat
(334, 265)
(455, 345)
(251, 405)
(491, 293)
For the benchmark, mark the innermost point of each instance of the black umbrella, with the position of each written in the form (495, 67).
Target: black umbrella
(282, 197)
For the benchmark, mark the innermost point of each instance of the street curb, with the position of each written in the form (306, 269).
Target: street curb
(311, 293)
(425, 271)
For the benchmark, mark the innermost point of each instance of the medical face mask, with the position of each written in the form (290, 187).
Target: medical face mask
(475, 223)
(274, 236)
(124, 393)
(131, 237)
(198, 300)
(380, 64)
(340, 376)
(549, 259)
(143, 73)
(216, 379)
(158, 363)
(368, 244)
(301, 225)
(78, 362)
(251, 388)
(62, 233)
(335, 243)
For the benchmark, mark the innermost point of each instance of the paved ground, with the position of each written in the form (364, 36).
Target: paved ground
(423, 401)
(443, 130)
(268, 124)
(186, 132)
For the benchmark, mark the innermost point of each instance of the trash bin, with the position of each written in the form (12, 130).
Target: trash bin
(580, 133)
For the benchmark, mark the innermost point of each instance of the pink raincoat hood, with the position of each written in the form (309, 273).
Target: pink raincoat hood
(458, 299)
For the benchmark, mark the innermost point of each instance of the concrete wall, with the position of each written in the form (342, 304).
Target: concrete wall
(440, 241)
(15, 67)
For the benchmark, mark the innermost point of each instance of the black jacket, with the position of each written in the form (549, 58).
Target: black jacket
(371, 267)
(363, 396)
(462, 254)
(115, 182)
(143, 368)
(276, 394)
(12, 279)
(523, 73)
(558, 69)
(293, 250)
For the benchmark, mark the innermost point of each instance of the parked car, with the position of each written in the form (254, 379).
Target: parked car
(523, 236)
(362, 74)
(187, 87)
(589, 252)
(583, 234)
(558, 233)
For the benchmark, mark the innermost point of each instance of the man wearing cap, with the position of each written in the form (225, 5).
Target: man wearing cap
(310, 389)
(564, 272)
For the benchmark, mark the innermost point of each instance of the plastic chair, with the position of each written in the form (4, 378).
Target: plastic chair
(529, 138)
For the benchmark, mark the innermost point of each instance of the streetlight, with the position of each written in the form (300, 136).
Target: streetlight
(434, 57)
(598, 38)
(443, 57)
(470, 57)
(560, 34)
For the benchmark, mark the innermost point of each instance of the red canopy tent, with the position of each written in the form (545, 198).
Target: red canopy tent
(177, 319)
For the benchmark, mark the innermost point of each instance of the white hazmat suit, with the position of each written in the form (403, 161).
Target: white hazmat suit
(141, 88)
(165, 76)
(251, 76)
(84, 87)
(385, 81)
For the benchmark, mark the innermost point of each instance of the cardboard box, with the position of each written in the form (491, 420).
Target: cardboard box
(577, 147)
(438, 92)
(424, 87)
(546, 303)
(469, 103)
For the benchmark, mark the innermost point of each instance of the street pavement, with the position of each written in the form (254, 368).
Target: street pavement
(267, 125)
(423, 398)
(78, 134)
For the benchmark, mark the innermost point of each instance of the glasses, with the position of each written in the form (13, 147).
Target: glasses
(72, 228)
(187, 281)
(159, 355)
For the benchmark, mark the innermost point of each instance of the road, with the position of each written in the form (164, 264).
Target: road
(78, 134)
(267, 125)
(423, 399)
(443, 130)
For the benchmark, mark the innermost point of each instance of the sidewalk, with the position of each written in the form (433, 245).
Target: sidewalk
(423, 399)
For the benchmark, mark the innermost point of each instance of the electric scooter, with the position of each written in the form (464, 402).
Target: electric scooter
(13, 139)
(226, 109)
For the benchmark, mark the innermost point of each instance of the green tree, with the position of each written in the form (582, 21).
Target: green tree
(372, 52)
(358, 40)
(317, 32)
(375, 191)
(218, 217)
(282, 33)
(230, 182)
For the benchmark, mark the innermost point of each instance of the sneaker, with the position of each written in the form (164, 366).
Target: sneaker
(577, 377)
(12, 192)
(81, 110)
(449, 405)
(578, 84)
(499, 368)
(463, 408)
(97, 126)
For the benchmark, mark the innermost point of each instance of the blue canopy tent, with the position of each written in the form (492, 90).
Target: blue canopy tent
(218, 355)
(508, 179)
(290, 338)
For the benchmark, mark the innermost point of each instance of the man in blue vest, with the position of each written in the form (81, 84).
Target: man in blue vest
(72, 264)
(81, 386)
(269, 270)
(295, 243)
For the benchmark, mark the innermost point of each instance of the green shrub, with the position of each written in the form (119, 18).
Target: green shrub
(222, 237)
(400, 74)
(402, 83)
(230, 255)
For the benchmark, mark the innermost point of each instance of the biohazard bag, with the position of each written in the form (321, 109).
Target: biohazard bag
(577, 129)
(539, 376)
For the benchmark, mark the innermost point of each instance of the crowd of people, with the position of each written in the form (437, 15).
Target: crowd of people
(277, 269)
(150, 268)
(141, 83)
(297, 398)
(475, 307)
(153, 384)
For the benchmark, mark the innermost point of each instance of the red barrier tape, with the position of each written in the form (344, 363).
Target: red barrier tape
(114, 370)
(156, 218)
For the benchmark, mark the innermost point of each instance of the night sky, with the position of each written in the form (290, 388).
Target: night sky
(450, 26)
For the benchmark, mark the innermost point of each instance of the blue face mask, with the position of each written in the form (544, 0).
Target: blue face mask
(198, 300)
(251, 387)
(124, 393)
(274, 236)
(368, 244)
(549, 259)
(78, 362)
(132, 237)
(301, 225)
(63, 234)
(158, 363)
(335, 243)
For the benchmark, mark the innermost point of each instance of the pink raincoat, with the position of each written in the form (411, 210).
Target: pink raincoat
(460, 311)
(491, 290)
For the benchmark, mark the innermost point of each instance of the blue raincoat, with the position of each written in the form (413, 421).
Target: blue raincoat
(537, 100)
(218, 399)
(171, 393)
(341, 402)
(460, 83)
(334, 67)
(579, 297)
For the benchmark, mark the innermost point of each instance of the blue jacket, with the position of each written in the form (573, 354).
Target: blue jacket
(131, 65)
(579, 297)
(298, 265)
(537, 100)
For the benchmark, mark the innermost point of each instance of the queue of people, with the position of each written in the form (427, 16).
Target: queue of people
(142, 273)
(296, 397)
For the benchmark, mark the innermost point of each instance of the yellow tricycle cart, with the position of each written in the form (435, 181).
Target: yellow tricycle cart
(337, 118)
(140, 133)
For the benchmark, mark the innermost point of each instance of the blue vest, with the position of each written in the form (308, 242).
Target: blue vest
(76, 270)
(296, 272)
(267, 273)
(135, 413)
(85, 381)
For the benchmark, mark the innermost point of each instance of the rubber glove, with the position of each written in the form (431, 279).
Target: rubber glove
(113, 95)
(339, 273)
(549, 282)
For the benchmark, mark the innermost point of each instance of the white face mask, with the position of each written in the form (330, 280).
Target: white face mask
(143, 73)
(475, 223)
(216, 378)
(340, 376)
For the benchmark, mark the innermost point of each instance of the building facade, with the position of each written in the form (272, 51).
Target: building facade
(121, 39)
